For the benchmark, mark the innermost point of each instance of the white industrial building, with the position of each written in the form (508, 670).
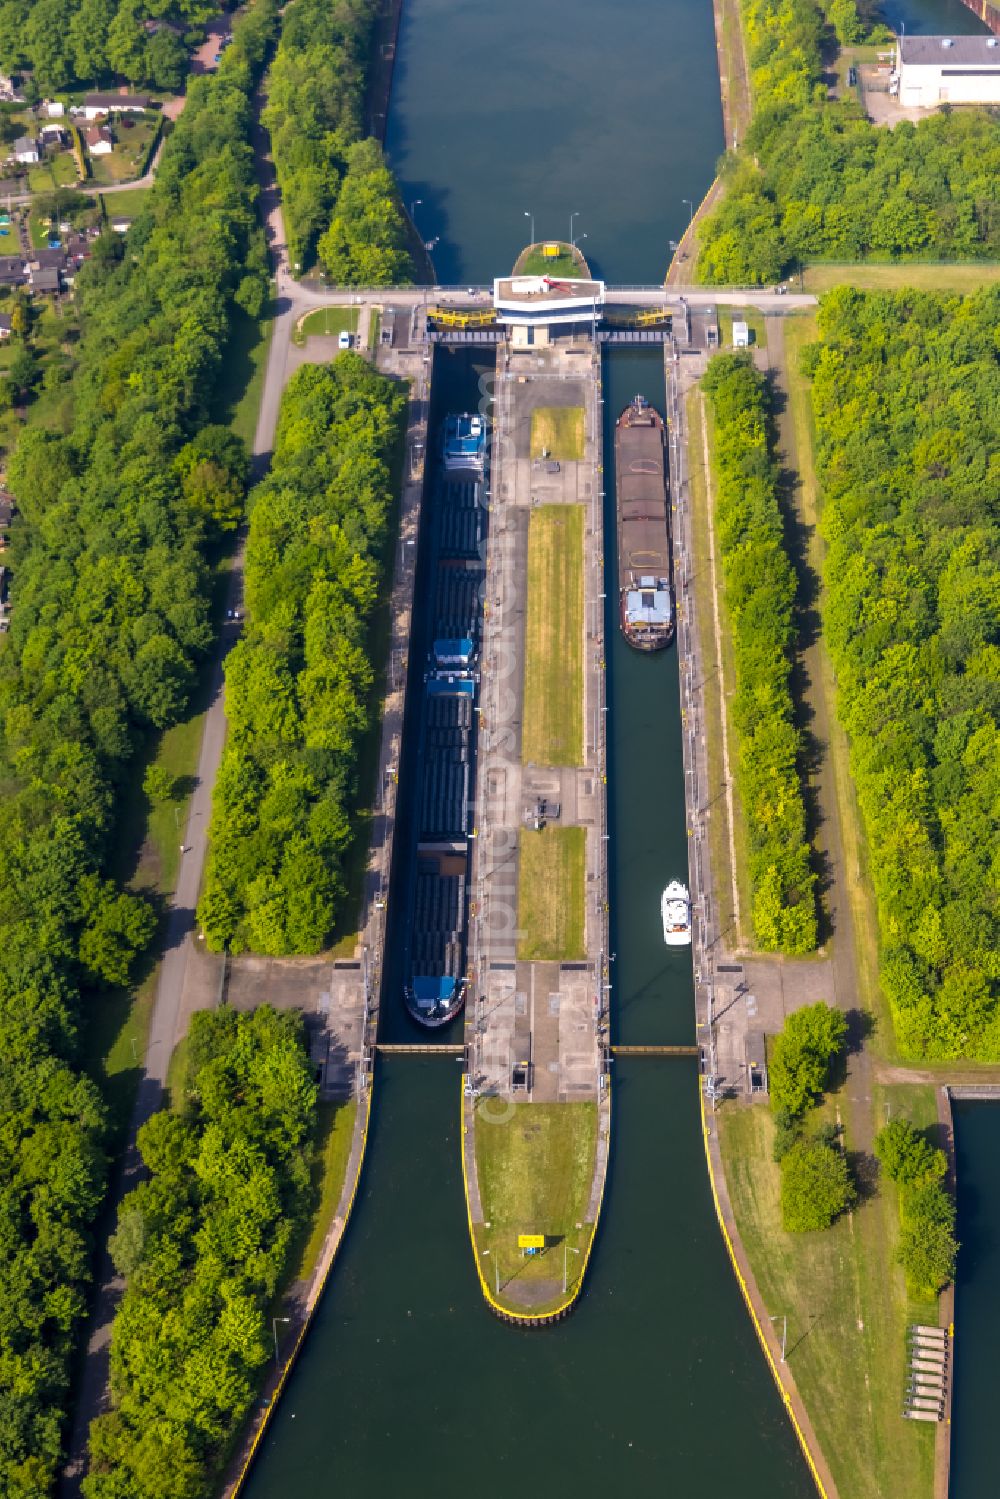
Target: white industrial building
(536, 307)
(935, 70)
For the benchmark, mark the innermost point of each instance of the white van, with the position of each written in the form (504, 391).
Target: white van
(344, 341)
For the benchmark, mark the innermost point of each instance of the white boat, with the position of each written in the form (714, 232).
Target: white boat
(675, 907)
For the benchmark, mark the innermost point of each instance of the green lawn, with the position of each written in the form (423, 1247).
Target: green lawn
(756, 321)
(557, 432)
(535, 1165)
(550, 894)
(847, 1311)
(55, 171)
(334, 1134)
(133, 147)
(569, 263)
(328, 322)
(241, 379)
(965, 277)
(127, 204)
(552, 730)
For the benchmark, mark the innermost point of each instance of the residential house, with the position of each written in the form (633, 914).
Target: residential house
(48, 260)
(6, 328)
(121, 226)
(100, 141)
(95, 106)
(8, 505)
(46, 280)
(25, 150)
(13, 271)
(54, 109)
(53, 135)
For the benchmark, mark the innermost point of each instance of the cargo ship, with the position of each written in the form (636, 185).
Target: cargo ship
(436, 932)
(645, 585)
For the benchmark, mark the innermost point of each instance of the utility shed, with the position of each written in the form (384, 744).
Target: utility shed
(935, 70)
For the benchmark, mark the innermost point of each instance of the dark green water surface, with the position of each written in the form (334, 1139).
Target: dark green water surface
(655, 1385)
(975, 1467)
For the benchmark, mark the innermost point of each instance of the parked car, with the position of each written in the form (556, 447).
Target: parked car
(344, 341)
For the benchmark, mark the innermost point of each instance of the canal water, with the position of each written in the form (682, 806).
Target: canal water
(974, 1467)
(655, 1383)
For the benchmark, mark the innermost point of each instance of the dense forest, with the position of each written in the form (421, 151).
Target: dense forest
(759, 589)
(813, 179)
(110, 619)
(66, 43)
(906, 391)
(299, 683)
(202, 1245)
(338, 196)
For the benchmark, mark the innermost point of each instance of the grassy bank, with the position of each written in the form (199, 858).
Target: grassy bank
(552, 731)
(334, 1134)
(535, 1164)
(326, 322)
(550, 894)
(967, 277)
(856, 874)
(847, 1309)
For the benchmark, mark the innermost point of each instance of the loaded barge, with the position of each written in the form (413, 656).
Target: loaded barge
(437, 918)
(645, 584)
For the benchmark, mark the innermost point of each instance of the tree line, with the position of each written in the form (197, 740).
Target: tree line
(203, 1245)
(71, 43)
(759, 589)
(110, 619)
(905, 393)
(338, 197)
(816, 1184)
(928, 1248)
(300, 681)
(815, 180)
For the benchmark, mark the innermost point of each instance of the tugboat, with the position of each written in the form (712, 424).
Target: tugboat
(463, 443)
(644, 570)
(675, 908)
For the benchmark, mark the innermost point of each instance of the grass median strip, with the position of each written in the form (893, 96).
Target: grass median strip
(535, 1164)
(550, 903)
(552, 732)
(557, 432)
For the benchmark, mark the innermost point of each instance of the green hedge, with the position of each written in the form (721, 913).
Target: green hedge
(906, 390)
(203, 1244)
(759, 587)
(299, 683)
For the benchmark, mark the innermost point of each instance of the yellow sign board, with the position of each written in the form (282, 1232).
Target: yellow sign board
(552, 251)
(531, 1241)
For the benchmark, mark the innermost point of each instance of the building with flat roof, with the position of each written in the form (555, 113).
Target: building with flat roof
(535, 307)
(935, 70)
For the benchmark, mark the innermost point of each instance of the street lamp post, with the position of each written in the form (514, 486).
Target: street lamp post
(413, 210)
(529, 215)
(784, 1333)
(568, 1249)
(690, 208)
(574, 215)
(274, 1329)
